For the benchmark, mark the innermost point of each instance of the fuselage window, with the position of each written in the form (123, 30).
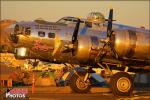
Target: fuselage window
(41, 34)
(51, 35)
(28, 31)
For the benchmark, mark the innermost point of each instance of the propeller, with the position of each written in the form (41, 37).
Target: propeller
(109, 32)
(69, 47)
(107, 41)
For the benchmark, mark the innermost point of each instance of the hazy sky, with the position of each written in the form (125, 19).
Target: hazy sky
(134, 13)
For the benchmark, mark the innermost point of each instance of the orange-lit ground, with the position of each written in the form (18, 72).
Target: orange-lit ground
(64, 93)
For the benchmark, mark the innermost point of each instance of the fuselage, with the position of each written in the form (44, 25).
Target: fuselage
(41, 38)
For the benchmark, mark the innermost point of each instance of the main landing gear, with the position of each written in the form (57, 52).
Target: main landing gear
(121, 82)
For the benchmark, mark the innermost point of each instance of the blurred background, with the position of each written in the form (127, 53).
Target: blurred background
(134, 13)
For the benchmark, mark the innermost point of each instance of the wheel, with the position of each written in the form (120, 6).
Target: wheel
(122, 84)
(78, 85)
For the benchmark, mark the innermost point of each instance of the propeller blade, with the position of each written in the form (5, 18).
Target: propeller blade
(75, 33)
(109, 27)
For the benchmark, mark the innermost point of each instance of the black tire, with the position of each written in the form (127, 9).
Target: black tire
(74, 84)
(122, 84)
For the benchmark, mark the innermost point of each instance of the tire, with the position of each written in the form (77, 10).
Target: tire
(77, 85)
(122, 84)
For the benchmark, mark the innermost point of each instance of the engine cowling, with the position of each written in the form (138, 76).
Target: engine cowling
(131, 44)
(87, 48)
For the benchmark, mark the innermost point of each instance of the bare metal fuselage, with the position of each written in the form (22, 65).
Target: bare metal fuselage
(131, 44)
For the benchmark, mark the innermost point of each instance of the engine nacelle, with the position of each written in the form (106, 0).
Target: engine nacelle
(131, 44)
(87, 48)
(127, 44)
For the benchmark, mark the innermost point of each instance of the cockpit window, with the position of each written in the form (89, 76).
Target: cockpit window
(51, 35)
(64, 21)
(68, 20)
(41, 34)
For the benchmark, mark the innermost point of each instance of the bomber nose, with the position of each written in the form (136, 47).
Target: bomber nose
(13, 35)
(17, 31)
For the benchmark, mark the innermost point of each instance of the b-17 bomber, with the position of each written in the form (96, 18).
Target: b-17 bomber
(92, 42)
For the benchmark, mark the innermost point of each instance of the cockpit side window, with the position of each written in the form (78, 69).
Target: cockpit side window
(41, 33)
(51, 35)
